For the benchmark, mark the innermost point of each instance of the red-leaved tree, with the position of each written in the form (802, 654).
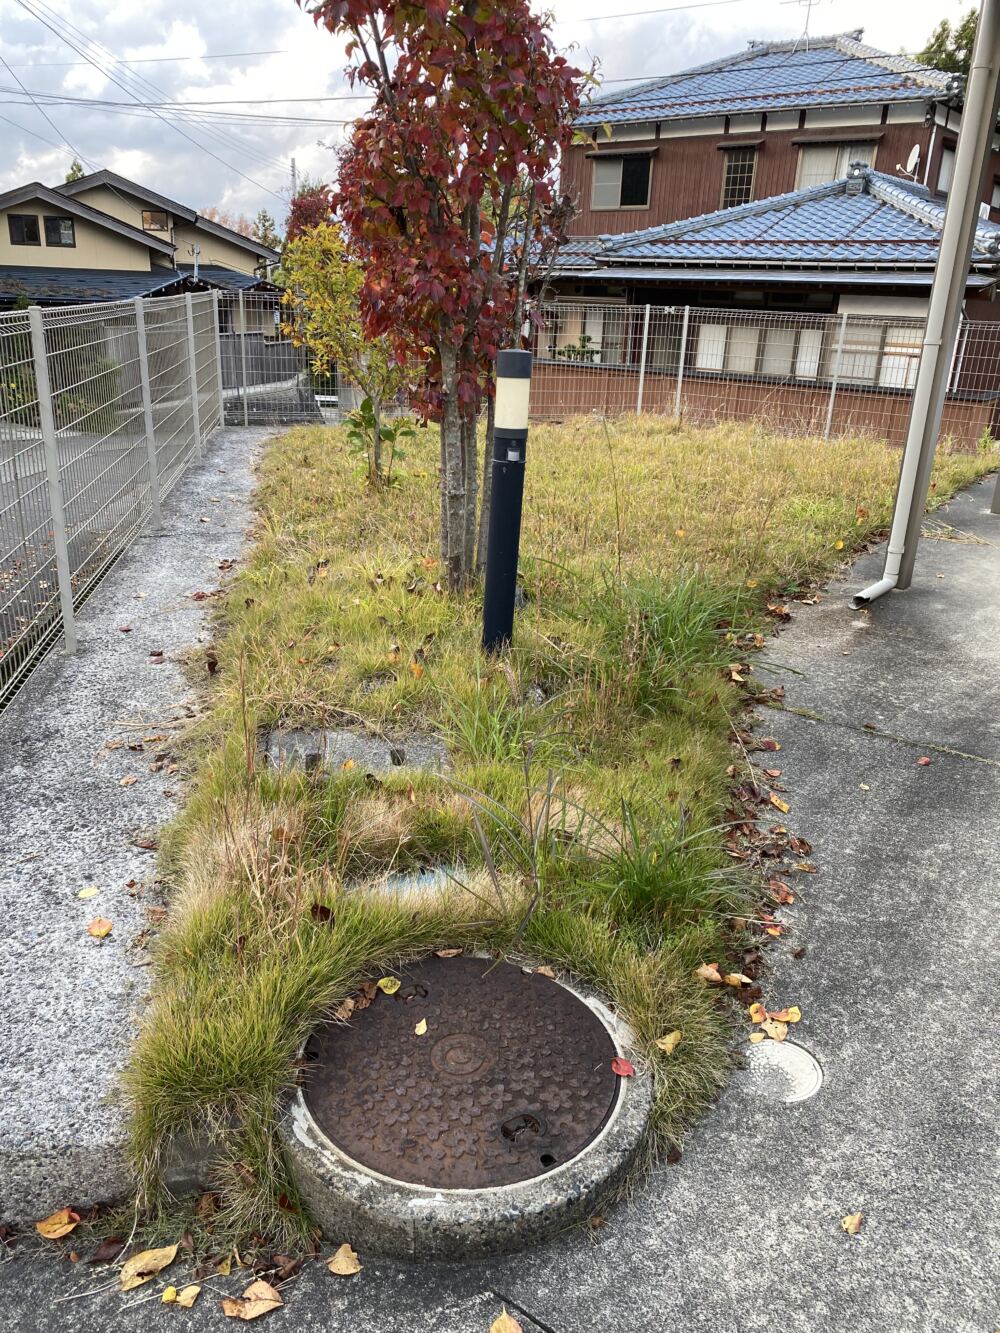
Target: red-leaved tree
(309, 208)
(471, 101)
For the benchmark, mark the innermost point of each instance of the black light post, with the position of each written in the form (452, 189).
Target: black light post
(510, 438)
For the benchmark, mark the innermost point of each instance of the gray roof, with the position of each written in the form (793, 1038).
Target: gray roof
(229, 278)
(821, 71)
(55, 199)
(72, 286)
(115, 182)
(876, 222)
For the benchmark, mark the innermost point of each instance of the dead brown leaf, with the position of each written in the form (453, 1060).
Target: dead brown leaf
(57, 1225)
(258, 1299)
(144, 1267)
(344, 1262)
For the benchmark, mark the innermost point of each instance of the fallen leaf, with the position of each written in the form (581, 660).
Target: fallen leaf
(737, 979)
(790, 1015)
(411, 795)
(852, 1223)
(780, 891)
(709, 972)
(225, 1266)
(58, 1224)
(169, 1296)
(344, 1263)
(670, 1042)
(345, 1010)
(923, 761)
(108, 1250)
(259, 1298)
(421, 1028)
(505, 1323)
(389, 985)
(91, 892)
(772, 772)
(770, 744)
(622, 1067)
(838, 545)
(322, 913)
(758, 1014)
(545, 972)
(776, 1031)
(417, 669)
(130, 780)
(145, 1266)
(447, 953)
(347, 765)
(187, 1296)
(99, 928)
(779, 804)
(755, 1037)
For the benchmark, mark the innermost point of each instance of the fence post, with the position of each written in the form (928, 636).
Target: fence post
(680, 362)
(193, 373)
(218, 356)
(642, 362)
(836, 376)
(43, 389)
(243, 358)
(152, 462)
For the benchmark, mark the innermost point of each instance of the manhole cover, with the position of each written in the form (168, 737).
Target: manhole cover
(511, 1078)
(783, 1071)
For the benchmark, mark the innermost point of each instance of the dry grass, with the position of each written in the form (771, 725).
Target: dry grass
(646, 549)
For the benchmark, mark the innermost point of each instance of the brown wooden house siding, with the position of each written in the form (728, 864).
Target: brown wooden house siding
(687, 172)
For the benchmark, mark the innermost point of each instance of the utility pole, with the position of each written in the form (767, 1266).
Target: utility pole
(196, 251)
(951, 272)
(295, 179)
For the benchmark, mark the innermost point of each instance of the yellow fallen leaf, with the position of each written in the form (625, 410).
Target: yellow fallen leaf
(737, 979)
(447, 953)
(776, 1031)
(758, 1014)
(421, 1027)
(505, 1323)
(852, 1223)
(187, 1296)
(145, 1266)
(169, 1296)
(347, 765)
(670, 1042)
(546, 972)
(709, 972)
(225, 1266)
(58, 1224)
(259, 1298)
(751, 583)
(417, 669)
(344, 1263)
(779, 804)
(755, 1037)
(99, 928)
(838, 546)
(389, 985)
(91, 892)
(680, 532)
(790, 1015)
(128, 781)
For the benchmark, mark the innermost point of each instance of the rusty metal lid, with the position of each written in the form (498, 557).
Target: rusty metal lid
(511, 1078)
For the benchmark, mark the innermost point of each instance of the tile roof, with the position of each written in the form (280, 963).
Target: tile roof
(887, 223)
(828, 71)
(228, 278)
(70, 286)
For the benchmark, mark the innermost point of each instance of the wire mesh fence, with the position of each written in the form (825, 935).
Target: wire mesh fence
(101, 409)
(266, 378)
(799, 374)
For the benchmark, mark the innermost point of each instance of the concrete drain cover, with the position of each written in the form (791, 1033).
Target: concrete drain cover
(782, 1071)
(511, 1078)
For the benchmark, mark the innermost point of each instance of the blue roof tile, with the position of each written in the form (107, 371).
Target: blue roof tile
(828, 71)
(71, 286)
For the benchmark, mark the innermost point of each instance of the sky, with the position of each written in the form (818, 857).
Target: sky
(186, 51)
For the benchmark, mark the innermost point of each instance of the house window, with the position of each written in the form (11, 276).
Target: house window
(620, 182)
(23, 228)
(900, 356)
(153, 221)
(995, 195)
(60, 231)
(946, 169)
(737, 185)
(823, 162)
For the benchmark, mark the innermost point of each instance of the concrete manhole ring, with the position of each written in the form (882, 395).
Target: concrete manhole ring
(474, 1110)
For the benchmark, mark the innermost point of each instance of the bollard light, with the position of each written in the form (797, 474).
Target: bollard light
(510, 439)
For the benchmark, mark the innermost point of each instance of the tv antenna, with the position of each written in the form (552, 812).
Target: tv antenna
(808, 6)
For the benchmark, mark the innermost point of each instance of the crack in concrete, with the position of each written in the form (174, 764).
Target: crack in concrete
(937, 747)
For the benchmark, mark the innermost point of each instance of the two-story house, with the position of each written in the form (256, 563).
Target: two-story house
(105, 238)
(779, 117)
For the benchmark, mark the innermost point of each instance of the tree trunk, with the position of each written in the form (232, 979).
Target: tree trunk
(452, 475)
(484, 508)
(377, 443)
(470, 463)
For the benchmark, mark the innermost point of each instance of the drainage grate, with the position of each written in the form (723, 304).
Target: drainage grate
(511, 1078)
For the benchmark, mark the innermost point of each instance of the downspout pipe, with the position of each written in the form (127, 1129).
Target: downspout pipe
(951, 270)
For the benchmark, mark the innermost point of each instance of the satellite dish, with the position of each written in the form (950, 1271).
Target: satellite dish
(913, 160)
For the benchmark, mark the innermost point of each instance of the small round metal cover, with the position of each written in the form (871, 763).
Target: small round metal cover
(510, 1078)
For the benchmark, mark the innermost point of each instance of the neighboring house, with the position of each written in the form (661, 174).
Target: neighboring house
(751, 295)
(779, 117)
(105, 238)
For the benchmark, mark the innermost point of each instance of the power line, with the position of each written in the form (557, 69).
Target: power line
(147, 60)
(52, 25)
(642, 13)
(43, 113)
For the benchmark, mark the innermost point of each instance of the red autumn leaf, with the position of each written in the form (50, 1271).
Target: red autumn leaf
(622, 1067)
(923, 761)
